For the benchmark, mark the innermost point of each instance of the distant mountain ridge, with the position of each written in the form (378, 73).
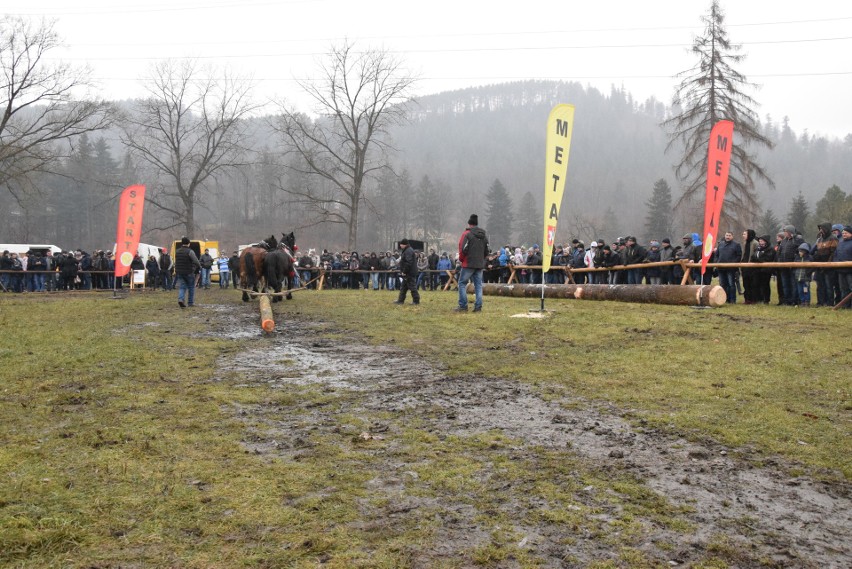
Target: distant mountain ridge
(469, 137)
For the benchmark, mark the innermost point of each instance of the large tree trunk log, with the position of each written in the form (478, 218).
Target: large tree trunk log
(687, 295)
(526, 290)
(267, 321)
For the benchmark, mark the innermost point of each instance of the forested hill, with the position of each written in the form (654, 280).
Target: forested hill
(471, 137)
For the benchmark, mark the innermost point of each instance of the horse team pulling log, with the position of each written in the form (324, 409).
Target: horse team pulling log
(265, 265)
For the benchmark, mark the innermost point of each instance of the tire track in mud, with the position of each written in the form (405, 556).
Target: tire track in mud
(770, 517)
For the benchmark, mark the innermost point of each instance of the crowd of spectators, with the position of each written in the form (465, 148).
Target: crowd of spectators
(380, 270)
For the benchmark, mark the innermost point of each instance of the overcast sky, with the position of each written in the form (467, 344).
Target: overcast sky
(800, 52)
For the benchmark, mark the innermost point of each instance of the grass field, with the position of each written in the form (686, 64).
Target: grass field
(120, 447)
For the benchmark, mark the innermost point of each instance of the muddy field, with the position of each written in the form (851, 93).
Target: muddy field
(764, 515)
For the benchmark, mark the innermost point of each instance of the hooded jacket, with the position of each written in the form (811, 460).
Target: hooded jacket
(749, 246)
(826, 244)
(764, 254)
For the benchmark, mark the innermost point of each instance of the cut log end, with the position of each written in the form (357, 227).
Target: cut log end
(717, 297)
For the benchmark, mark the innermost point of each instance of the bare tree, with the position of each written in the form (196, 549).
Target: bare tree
(39, 108)
(711, 91)
(359, 95)
(189, 131)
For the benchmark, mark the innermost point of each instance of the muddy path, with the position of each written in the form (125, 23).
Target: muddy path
(762, 515)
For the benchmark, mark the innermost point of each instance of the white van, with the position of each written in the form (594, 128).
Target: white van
(145, 250)
(23, 248)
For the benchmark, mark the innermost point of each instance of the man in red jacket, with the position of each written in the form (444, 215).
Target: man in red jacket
(473, 249)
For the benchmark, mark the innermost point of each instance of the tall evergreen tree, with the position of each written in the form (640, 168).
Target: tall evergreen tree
(799, 212)
(658, 221)
(389, 207)
(499, 211)
(709, 92)
(768, 223)
(529, 220)
(424, 211)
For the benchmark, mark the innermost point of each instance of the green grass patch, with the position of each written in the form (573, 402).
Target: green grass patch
(122, 443)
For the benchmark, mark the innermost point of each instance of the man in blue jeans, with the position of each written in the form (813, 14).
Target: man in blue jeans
(186, 264)
(473, 249)
(728, 251)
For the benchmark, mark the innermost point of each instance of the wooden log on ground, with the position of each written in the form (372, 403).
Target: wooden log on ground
(526, 290)
(686, 295)
(266, 320)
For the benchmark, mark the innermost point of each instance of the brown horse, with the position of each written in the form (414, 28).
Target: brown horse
(252, 274)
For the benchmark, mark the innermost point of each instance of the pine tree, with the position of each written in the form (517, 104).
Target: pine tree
(658, 221)
(424, 209)
(834, 207)
(529, 220)
(799, 212)
(768, 223)
(500, 217)
(709, 92)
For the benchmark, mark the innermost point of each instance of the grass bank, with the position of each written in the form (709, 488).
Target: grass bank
(119, 447)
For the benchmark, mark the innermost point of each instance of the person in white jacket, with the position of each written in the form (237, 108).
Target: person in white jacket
(589, 261)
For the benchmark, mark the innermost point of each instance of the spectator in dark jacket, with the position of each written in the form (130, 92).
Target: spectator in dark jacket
(166, 269)
(844, 254)
(186, 265)
(407, 273)
(634, 254)
(152, 268)
(764, 253)
(653, 275)
(787, 253)
(473, 248)
(823, 252)
(728, 251)
(234, 266)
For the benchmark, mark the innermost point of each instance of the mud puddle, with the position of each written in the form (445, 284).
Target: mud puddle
(768, 518)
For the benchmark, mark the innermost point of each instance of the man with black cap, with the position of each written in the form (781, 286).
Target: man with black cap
(407, 273)
(473, 249)
(186, 264)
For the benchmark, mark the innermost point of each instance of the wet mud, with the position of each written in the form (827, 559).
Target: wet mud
(765, 516)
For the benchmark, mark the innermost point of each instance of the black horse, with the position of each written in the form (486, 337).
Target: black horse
(279, 264)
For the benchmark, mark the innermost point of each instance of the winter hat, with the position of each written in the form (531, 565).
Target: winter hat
(789, 229)
(593, 244)
(404, 242)
(805, 247)
(837, 227)
(667, 240)
(473, 220)
(687, 236)
(655, 244)
(848, 229)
